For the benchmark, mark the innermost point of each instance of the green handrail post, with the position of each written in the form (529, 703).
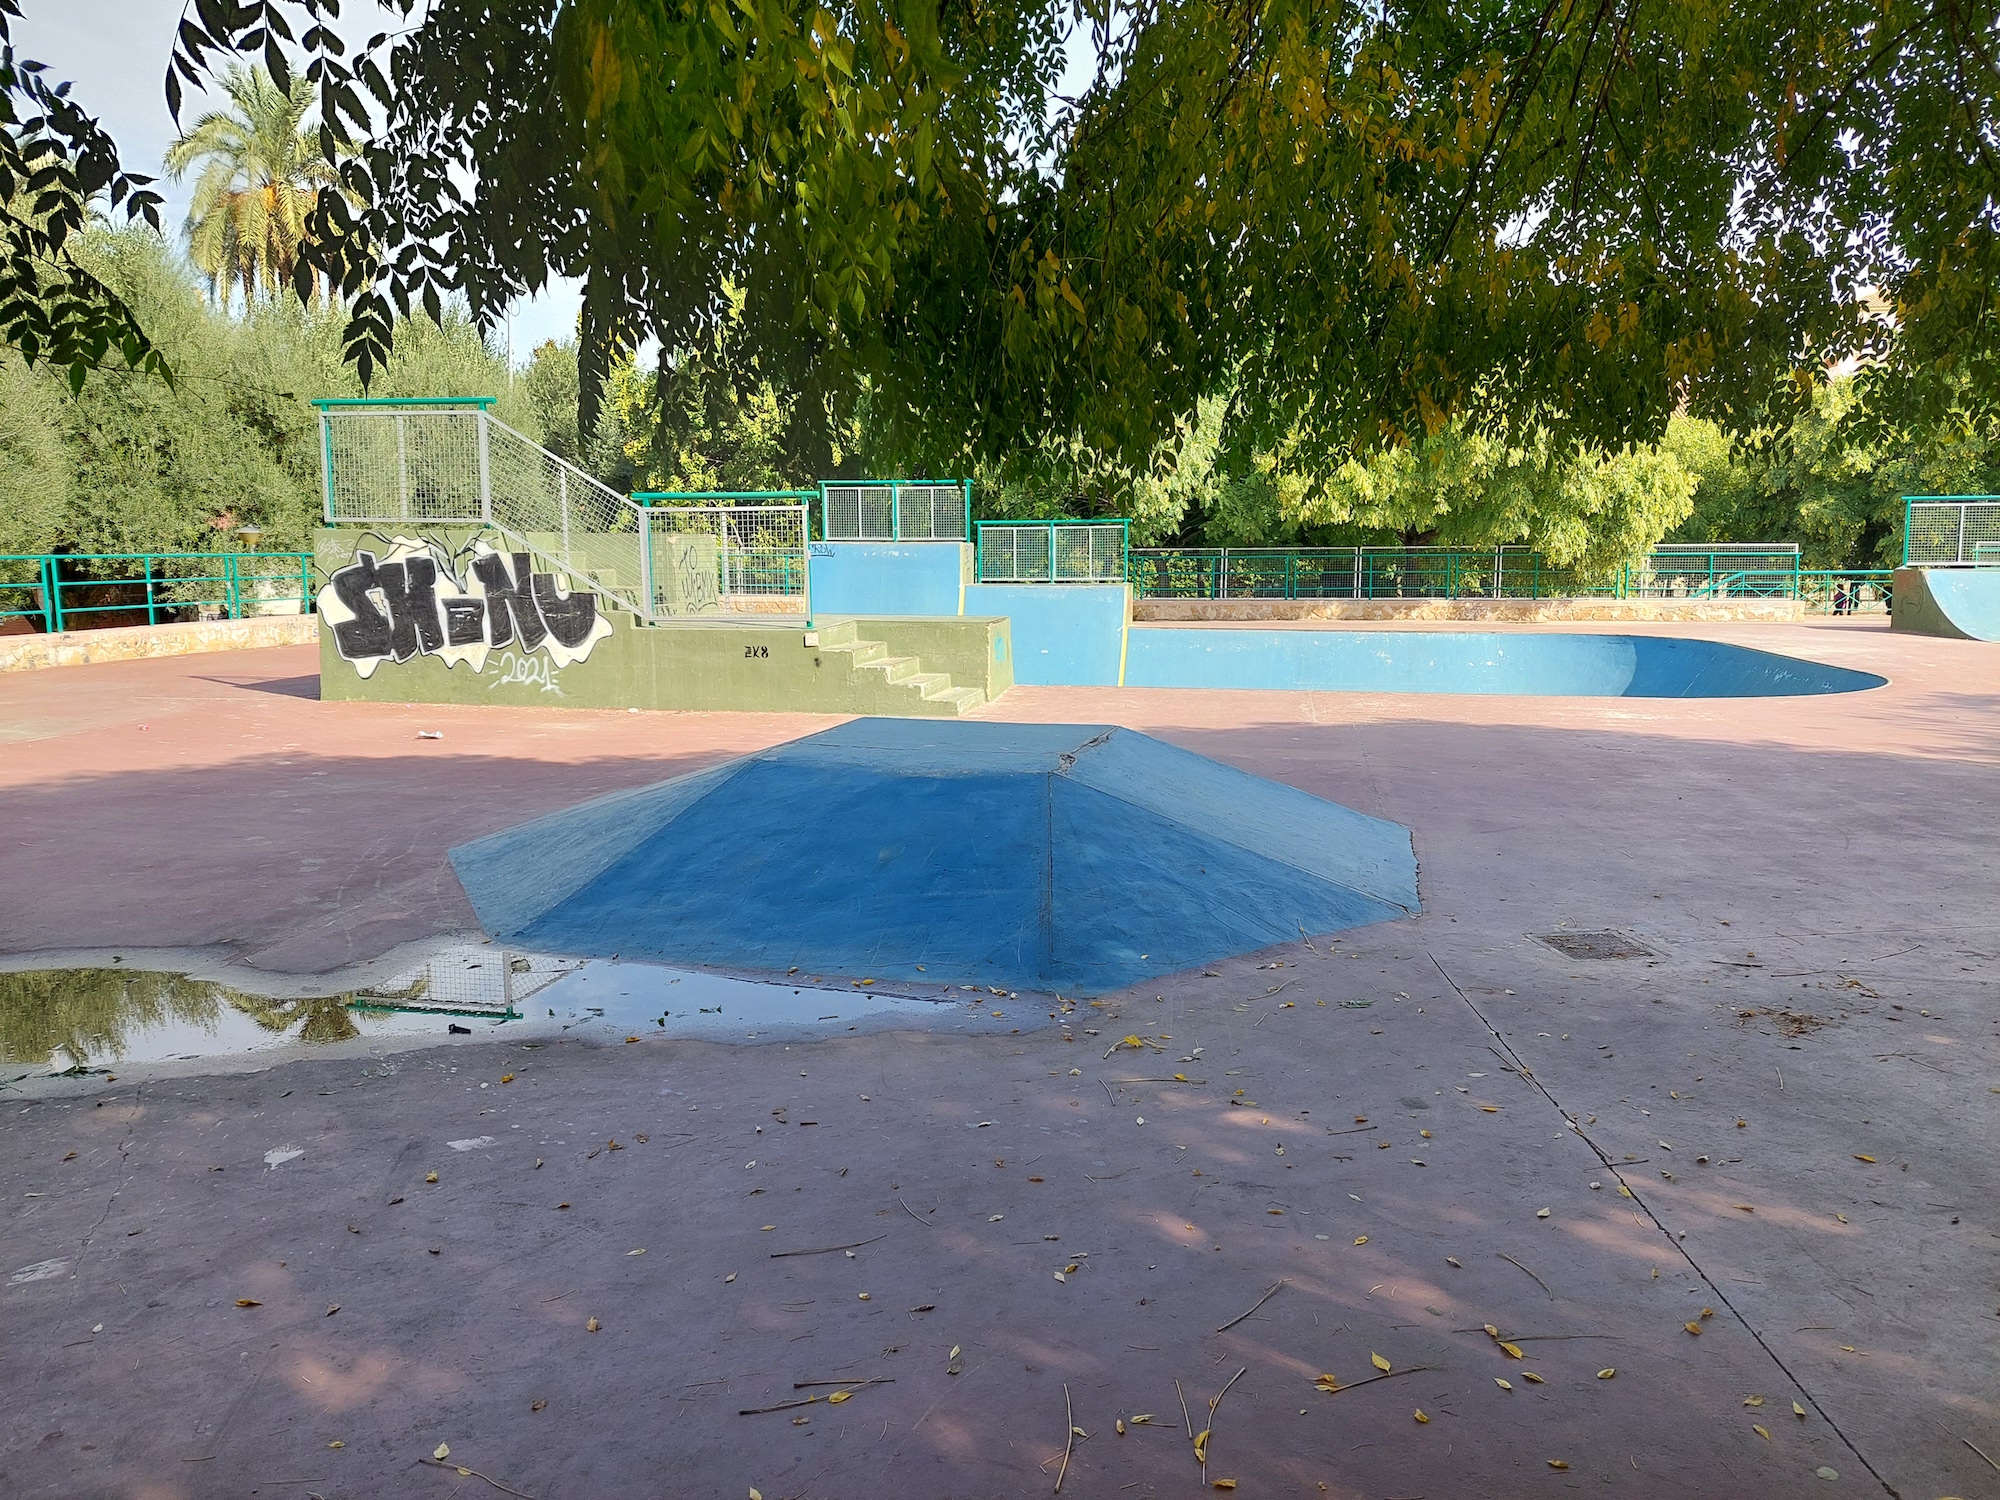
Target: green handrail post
(231, 589)
(152, 610)
(55, 593)
(895, 510)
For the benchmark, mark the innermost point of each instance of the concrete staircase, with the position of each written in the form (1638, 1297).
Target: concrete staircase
(933, 690)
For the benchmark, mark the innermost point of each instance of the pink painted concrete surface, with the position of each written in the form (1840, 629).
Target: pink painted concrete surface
(1817, 876)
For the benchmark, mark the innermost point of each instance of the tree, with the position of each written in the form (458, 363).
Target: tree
(259, 175)
(1367, 220)
(54, 161)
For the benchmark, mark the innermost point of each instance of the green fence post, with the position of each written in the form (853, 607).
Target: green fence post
(229, 592)
(152, 610)
(55, 594)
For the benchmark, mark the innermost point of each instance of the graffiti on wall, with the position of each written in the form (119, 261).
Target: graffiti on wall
(405, 597)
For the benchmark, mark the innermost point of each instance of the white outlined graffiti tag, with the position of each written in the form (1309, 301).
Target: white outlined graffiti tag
(416, 598)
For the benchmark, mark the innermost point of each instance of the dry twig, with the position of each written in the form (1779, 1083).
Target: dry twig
(1069, 1438)
(1538, 1280)
(437, 1463)
(826, 1249)
(1253, 1307)
(917, 1216)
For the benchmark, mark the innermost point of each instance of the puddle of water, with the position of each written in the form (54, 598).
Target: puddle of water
(55, 1021)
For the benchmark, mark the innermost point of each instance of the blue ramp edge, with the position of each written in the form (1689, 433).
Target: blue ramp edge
(1040, 857)
(1957, 603)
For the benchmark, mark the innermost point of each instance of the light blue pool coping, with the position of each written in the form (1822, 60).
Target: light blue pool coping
(1550, 664)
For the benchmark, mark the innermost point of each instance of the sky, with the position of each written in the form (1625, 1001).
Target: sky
(115, 51)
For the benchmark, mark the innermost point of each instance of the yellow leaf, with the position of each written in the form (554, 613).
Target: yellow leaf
(336, 1443)
(1753, 1400)
(1761, 1432)
(1708, 1312)
(1503, 1384)
(1531, 1375)
(430, 1177)
(1491, 1109)
(1420, 1415)
(1131, 1041)
(592, 1326)
(1361, 1240)
(248, 1302)
(837, 1397)
(1513, 1351)
(1120, 1425)
(1606, 1374)
(506, 1077)
(1869, 1159)
(1798, 1411)
(1491, 1331)
(1556, 1463)
(1624, 1191)
(1180, 1078)
(1694, 1328)
(1143, 1417)
(1201, 1446)
(954, 1352)
(755, 1493)
(1746, 1208)
(1379, 1362)
(1225, 1484)
(441, 1452)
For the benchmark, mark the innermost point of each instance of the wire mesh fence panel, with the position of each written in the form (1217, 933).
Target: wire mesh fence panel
(1952, 531)
(728, 559)
(387, 466)
(468, 981)
(1176, 574)
(564, 514)
(1015, 554)
(859, 513)
(1324, 573)
(930, 512)
(1088, 554)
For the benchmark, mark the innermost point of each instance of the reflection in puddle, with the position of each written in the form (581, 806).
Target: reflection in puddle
(62, 1020)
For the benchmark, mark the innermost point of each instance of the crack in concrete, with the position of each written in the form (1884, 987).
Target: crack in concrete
(1678, 1246)
(124, 1157)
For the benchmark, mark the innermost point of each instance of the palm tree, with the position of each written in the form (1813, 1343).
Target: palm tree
(260, 175)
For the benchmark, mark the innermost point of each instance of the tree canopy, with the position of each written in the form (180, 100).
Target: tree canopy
(1361, 221)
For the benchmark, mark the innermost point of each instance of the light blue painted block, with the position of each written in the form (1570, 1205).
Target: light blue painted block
(888, 578)
(1032, 856)
(1065, 634)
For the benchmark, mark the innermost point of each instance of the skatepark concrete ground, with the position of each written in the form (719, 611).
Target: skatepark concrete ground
(244, 1283)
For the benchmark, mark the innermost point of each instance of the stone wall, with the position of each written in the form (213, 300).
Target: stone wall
(75, 648)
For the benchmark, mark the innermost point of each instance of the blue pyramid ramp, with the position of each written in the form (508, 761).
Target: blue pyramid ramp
(1070, 857)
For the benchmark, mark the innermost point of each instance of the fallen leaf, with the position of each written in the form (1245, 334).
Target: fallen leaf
(1503, 1384)
(1420, 1415)
(1761, 1432)
(1606, 1374)
(537, 1405)
(1120, 1426)
(1624, 1191)
(755, 1493)
(430, 1177)
(1513, 1351)
(1869, 1159)
(1201, 1446)
(729, 1278)
(332, 1308)
(336, 1443)
(592, 1326)
(1826, 1473)
(1746, 1208)
(1225, 1484)
(1530, 1375)
(1556, 1463)
(1379, 1363)
(837, 1397)
(1753, 1400)
(1541, 1213)
(1362, 1240)
(1452, 1260)
(1058, 1275)
(506, 1077)
(1694, 1328)
(1708, 1312)
(441, 1452)
(248, 1302)
(862, 1295)
(1491, 1331)
(1798, 1411)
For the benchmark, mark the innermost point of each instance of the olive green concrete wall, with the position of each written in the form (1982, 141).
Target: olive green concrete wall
(762, 667)
(974, 656)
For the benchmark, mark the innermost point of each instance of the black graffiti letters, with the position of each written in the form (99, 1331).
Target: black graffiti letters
(510, 600)
(569, 617)
(418, 602)
(367, 632)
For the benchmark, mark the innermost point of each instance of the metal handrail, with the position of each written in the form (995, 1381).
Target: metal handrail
(238, 587)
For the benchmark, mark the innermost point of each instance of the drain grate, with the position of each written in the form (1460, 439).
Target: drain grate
(1595, 944)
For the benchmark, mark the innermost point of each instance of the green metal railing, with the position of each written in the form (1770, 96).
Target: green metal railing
(160, 586)
(1053, 551)
(1737, 572)
(1847, 591)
